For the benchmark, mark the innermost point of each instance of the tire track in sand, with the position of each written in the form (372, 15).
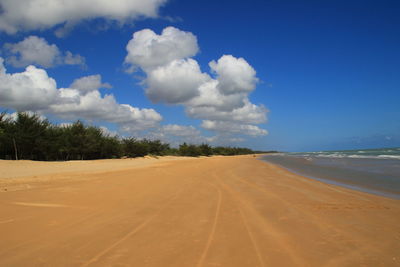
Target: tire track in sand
(132, 232)
(253, 240)
(49, 232)
(326, 225)
(213, 228)
(245, 223)
(291, 252)
(246, 226)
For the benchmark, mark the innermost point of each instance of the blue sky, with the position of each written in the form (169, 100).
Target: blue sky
(286, 75)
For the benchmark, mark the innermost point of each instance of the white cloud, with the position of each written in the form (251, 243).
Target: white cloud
(180, 130)
(176, 82)
(92, 106)
(65, 124)
(210, 96)
(175, 135)
(36, 50)
(225, 140)
(226, 126)
(108, 132)
(234, 75)
(89, 83)
(34, 90)
(248, 115)
(173, 77)
(71, 59)
(149, 50)
(23, 15)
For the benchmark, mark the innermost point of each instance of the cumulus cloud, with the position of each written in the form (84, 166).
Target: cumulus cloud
(36, 50)
(176, 82)
(71, 59)
(225, 139)
(234, 75)
(65, 124)
(108, 132)
(180, 130)
(23, 15)
(34, 90)
(227, 126)
(149, 50)
(175, 135)
(248, 114)
(174, 77)
(209, 96)
(93, 106)
(89, 83)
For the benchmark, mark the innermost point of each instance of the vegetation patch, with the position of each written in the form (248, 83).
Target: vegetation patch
(32, 138)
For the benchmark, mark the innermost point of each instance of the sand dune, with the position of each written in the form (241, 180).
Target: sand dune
(218, 211)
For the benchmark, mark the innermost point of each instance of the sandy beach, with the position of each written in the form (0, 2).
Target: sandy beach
(217, 211)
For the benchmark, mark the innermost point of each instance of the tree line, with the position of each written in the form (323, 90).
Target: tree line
(31, 138)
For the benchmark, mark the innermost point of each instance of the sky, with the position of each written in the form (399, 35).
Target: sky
(269, 75)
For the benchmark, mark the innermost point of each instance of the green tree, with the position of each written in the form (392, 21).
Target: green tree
(156, 147)
(6, 131)
(30, 137)
(205, 150)
(111, 147)
(133, 148)
(27, 132)
(189, 150)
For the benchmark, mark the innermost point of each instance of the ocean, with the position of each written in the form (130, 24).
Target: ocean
(375, 171)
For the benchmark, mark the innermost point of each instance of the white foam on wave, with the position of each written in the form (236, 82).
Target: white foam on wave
(379, 154)
(343, 156)
(333, 155)
(389, 157)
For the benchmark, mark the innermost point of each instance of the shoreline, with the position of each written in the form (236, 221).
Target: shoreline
(332, 181)
(227, 211)
(335, 175)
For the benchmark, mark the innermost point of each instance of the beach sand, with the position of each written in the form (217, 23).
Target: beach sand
(218, 211)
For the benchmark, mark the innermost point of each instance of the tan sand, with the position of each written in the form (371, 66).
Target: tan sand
(27, 168)
(219, 211)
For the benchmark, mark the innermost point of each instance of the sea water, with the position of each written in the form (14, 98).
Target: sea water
(374, 171)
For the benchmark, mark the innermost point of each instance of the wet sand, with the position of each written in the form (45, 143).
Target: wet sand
(218, 211)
